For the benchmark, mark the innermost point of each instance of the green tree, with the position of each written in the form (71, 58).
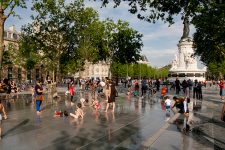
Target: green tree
(68, 35)
(61, 33)
(123, 43)
(154, 10)
(6, 10)
(216, 70)
(206, 15)
(209, 37)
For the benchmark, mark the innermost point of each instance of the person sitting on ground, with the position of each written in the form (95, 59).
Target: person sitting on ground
(96, 104)
(79, 113)
(82, 100)
(2, 110)
(60, 113)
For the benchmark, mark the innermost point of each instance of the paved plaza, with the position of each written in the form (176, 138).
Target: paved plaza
(136, 124)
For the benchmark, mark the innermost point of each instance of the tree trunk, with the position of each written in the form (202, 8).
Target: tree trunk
(110, 70)
(2, 47)
(57, 72)
(53, 75)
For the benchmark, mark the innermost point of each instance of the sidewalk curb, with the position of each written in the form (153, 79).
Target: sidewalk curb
(151, 140)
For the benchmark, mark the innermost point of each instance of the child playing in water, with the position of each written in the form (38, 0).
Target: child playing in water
(129, 90)
(168, 103)
(79, 113)
(82, 100)
(60, 113)
(96, 104)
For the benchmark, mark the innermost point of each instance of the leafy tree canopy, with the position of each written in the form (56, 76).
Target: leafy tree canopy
(209, 38)
(68, 34)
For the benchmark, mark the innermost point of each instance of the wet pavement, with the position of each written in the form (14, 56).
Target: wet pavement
(134, 122)
(208, 131)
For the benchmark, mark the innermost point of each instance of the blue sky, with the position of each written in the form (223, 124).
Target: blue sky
(160, 41)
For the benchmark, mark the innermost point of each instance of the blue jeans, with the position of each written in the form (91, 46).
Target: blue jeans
(38, 105)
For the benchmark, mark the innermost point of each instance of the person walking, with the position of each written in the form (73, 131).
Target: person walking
(2, 110)
(199, 90)
(222, 89)
(185, 86)
(144, 87)
(107, 90)
(39, 97)
(71, 91)
(112, 96)
(177, 86)
(157, 84)
(190, 85)
(195, 88)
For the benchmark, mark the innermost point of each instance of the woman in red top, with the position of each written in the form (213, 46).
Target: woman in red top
(71, 91)
(222, 89)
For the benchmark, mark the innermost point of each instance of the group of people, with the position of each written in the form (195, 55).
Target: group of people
(109, 89)
(8, 87)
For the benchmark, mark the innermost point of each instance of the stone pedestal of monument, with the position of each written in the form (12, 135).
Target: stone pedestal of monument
(184, 65)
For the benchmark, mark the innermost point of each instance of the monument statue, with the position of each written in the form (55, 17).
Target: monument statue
(185, 63)
(186, 29)
(174, 63)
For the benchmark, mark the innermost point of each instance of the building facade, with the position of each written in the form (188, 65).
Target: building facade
(99, 70)
(10, 70)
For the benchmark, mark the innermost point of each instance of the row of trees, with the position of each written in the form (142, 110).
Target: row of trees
(139, 71)
(55, 16)
(63, 36)
(207, 16)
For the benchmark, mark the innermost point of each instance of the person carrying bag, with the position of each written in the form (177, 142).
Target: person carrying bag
(39, 96)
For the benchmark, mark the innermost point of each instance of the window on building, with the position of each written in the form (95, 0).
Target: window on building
(15, 36)
(190, 74)
(198, 75)
(174, 75)
(181, 75)
(9, 72)
(10, 35)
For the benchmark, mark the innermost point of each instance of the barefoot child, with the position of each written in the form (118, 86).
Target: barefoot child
(168, 103)
(79, 113)
(96, 104)
(82, 100)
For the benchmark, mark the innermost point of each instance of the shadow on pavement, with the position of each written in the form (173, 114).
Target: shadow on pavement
(24, 122)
